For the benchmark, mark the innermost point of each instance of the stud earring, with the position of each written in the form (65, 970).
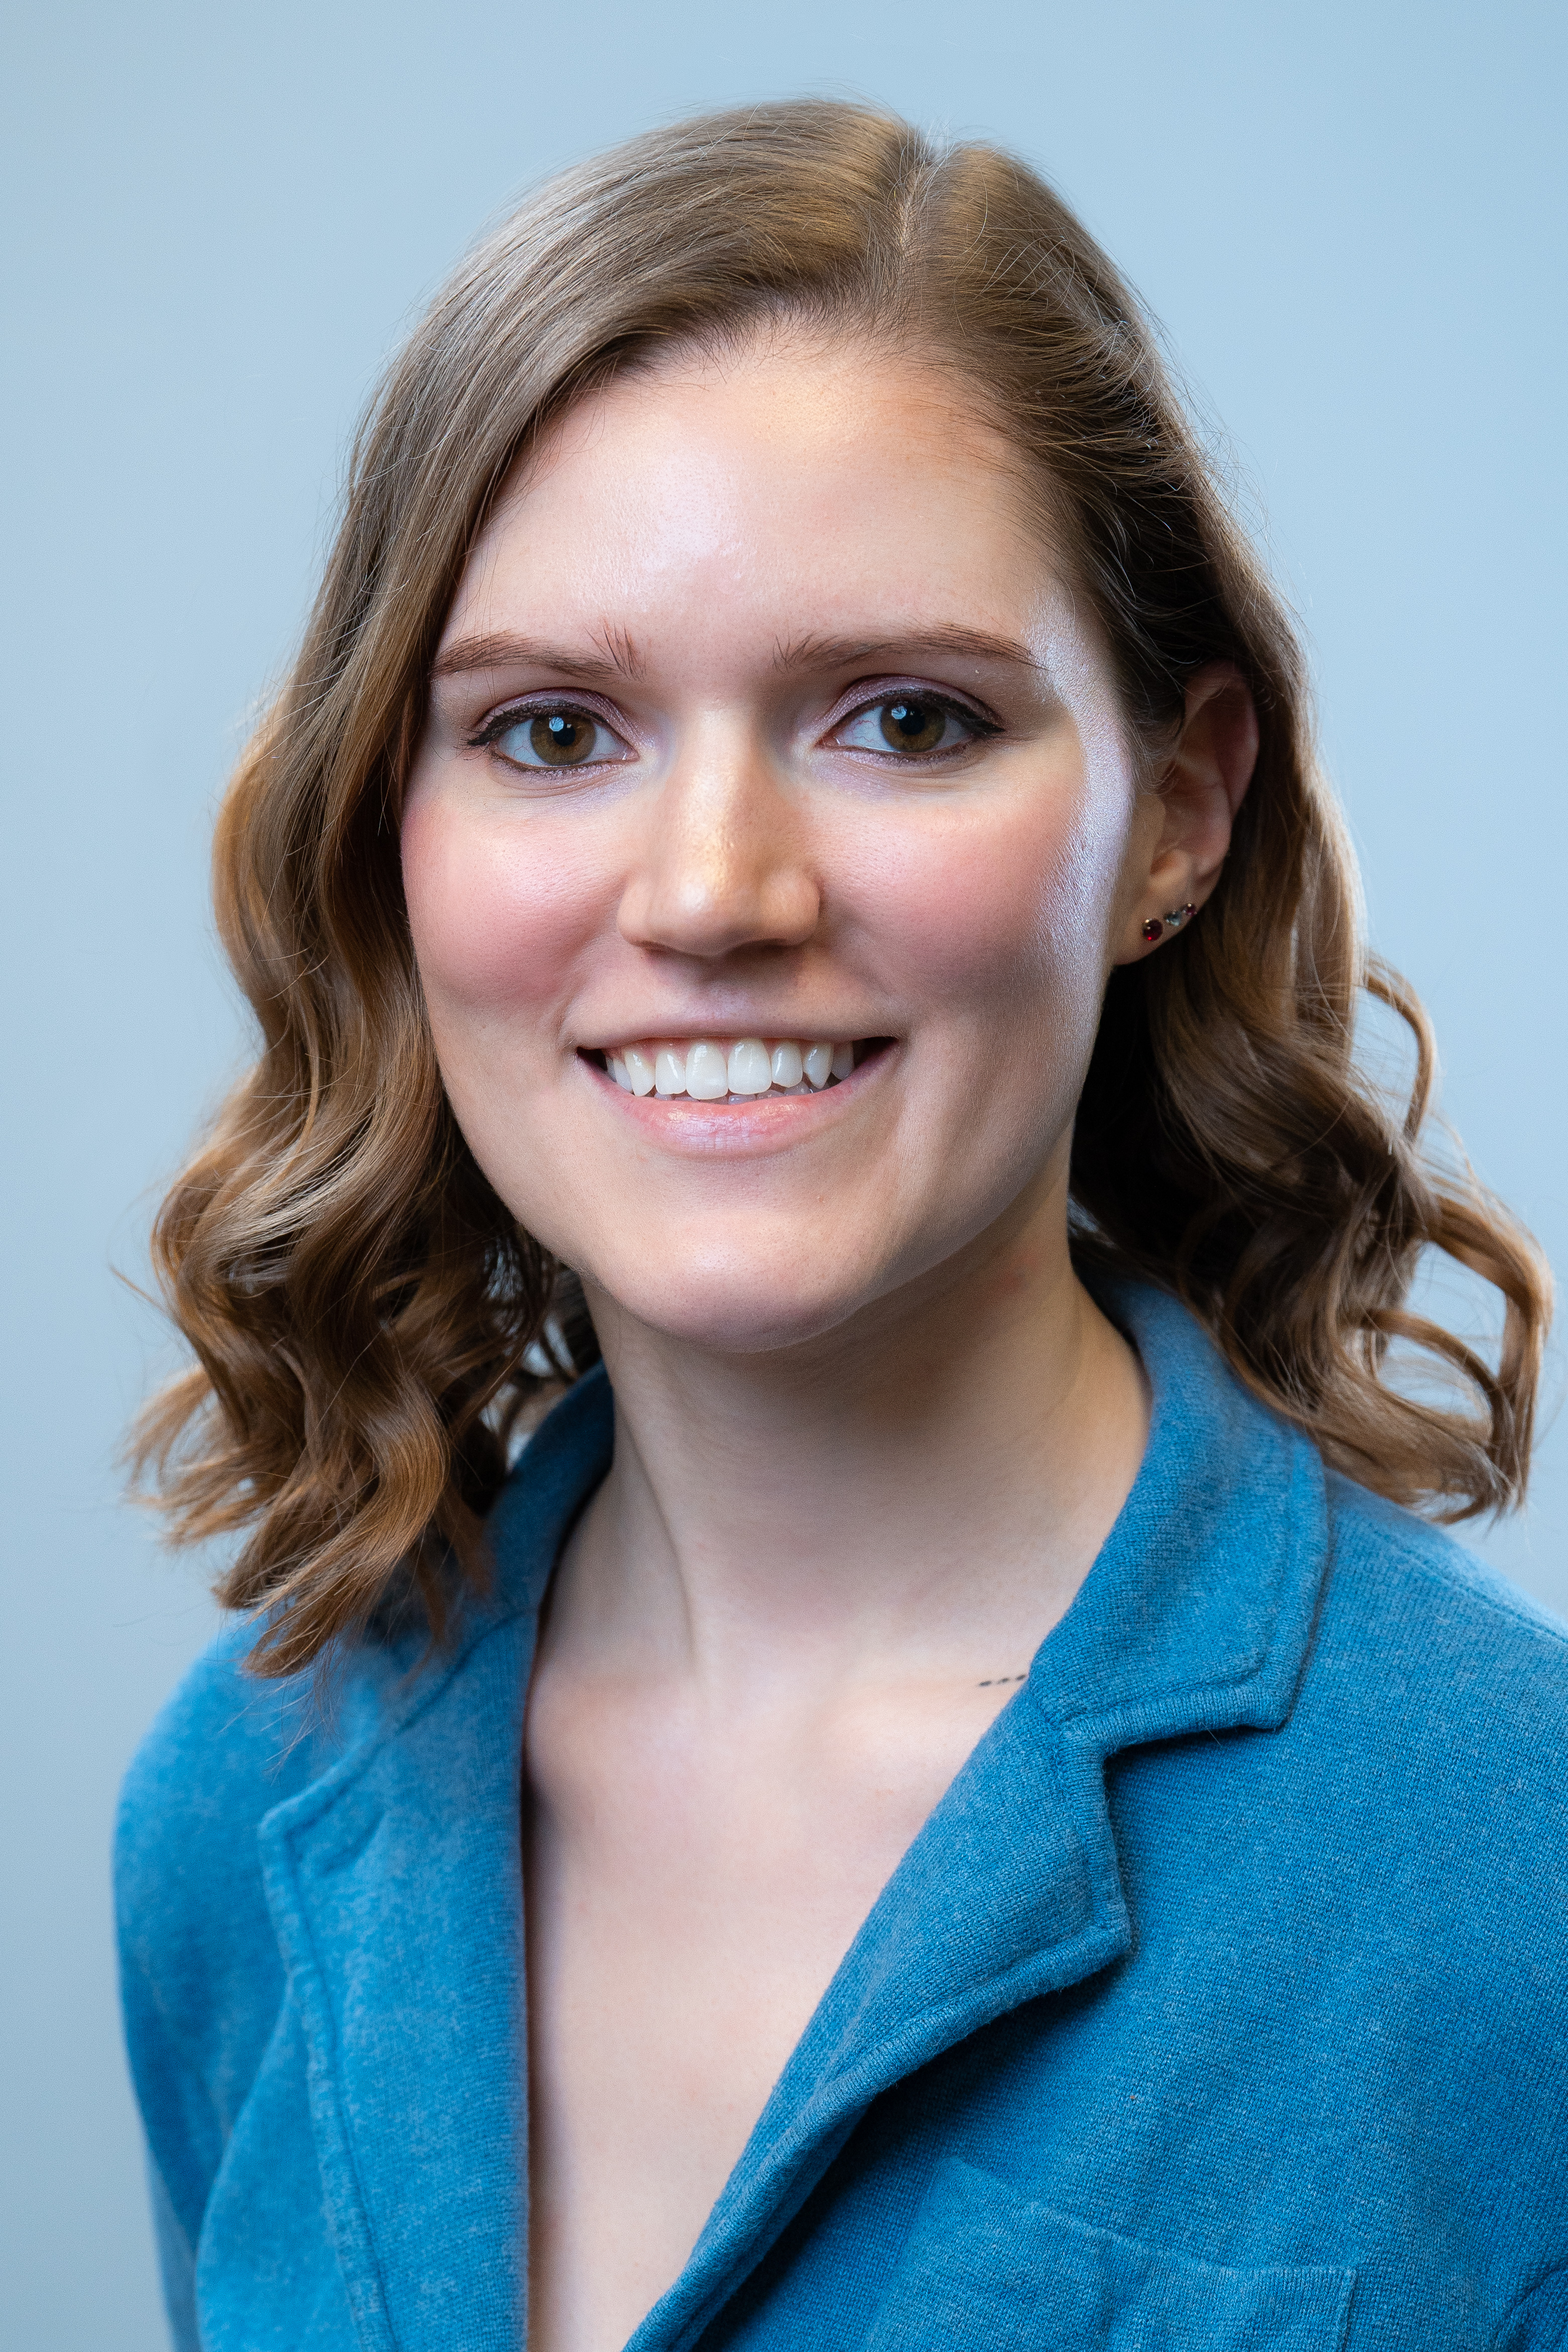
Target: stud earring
(1174, 918)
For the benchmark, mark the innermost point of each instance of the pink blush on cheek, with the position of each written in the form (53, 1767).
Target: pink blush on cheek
(980, 906)
(497, 917)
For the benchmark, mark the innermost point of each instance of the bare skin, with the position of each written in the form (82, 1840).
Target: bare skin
(871, 1432)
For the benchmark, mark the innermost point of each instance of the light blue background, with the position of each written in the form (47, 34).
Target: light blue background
(1350, 218)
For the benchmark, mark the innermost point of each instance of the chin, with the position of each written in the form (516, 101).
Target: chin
(727, 1309)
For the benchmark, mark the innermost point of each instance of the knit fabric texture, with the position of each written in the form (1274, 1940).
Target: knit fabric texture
(1222, 2003)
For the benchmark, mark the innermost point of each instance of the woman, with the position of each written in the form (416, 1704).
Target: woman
(788, 886)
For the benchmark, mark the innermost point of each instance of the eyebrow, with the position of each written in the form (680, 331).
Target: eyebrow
(618, 657)
(812, 652)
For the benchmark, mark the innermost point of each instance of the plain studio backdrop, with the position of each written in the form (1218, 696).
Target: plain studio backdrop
(1348, 218)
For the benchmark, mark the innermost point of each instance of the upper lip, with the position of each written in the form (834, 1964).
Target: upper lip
(728, 1032)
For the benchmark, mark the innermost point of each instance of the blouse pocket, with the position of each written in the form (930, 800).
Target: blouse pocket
(984, 2270)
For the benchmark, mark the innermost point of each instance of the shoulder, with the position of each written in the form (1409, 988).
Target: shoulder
(200, 1971)
(1410, 1591)
(220, 1731)
(226, 1748)
(192, 1914)
(1448, 1689)
(230, 1746)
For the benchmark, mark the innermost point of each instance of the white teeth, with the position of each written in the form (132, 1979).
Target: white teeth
(711, 1069)
(707, 1071)
(749, 1069)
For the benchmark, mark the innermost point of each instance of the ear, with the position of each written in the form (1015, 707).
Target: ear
(1200, 787)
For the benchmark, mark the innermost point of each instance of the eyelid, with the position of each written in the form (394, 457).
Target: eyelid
(868, 690)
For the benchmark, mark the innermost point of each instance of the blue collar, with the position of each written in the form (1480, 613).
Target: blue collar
(394, 1878)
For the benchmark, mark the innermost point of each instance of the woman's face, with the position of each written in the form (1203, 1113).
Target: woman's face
(763, 723)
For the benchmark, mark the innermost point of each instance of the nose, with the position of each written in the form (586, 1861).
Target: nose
(724, 864)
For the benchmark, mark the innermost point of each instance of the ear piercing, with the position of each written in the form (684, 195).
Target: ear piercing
(1154, 928)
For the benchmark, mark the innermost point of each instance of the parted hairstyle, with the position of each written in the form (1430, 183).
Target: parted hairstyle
(368, 1319)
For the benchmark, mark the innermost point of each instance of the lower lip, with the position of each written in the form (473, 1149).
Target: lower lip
(766, 1123)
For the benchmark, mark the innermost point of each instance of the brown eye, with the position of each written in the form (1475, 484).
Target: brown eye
(554, 739)
(910, 726)
(914, 725)
(562, 738)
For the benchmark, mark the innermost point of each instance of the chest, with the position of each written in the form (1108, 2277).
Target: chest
(692, 1887)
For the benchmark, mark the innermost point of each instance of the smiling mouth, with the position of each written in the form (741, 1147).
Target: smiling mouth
(735, 1070)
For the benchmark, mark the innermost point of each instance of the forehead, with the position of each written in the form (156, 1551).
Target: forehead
(794, 485)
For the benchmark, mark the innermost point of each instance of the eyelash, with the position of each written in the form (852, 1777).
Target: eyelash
(515, 714)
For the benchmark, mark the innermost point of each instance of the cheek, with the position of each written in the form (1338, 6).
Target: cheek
(497, 909)
(992, 911)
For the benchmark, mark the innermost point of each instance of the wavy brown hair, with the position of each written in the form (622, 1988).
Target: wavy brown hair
(367, 1319)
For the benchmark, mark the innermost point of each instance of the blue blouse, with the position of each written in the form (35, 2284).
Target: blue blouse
(1221, 2002)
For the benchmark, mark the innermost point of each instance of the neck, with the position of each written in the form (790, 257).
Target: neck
(918, 1493)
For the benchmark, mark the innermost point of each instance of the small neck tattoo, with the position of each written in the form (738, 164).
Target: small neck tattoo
(996, 1681)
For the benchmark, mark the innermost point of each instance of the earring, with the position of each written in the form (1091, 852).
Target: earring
(1174, 918)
